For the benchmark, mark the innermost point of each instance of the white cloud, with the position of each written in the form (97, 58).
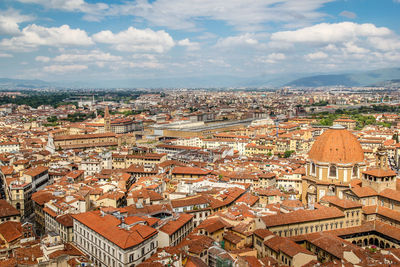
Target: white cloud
(42, 59)
(218, 62)
(246, 39)
(9, 20)
(330, 33)
(92, 56)
(350, 47)
(133, 40)
(33, 36)
(385, 44)
(316, 55)
(146, 65)
(191, 46)
(64, 68)
(245, 15)
(348, 14)
(137, 65)
(93, 11)
(272, 58)
(5, 55)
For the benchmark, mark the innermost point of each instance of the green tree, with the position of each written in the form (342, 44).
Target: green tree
(288, 153)
(52, 119)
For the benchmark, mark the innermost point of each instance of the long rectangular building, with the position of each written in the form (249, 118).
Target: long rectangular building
(85, 140)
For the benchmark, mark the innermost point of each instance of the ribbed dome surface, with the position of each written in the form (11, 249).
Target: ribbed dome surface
(336, 145)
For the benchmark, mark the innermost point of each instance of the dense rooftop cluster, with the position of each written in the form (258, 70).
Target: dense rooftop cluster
(201, 178)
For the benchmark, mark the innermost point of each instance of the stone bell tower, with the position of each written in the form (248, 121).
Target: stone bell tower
(107, 120)
(381, 177)
(381, 158)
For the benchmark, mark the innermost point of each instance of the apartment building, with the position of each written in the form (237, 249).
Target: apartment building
(109, 241)
(175, 230)
(9, 147)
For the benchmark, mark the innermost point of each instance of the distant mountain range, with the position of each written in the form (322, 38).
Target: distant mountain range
(379, 77)
(13, 83)
(368, 78)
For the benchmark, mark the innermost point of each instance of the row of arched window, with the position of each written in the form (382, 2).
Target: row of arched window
(333, 170)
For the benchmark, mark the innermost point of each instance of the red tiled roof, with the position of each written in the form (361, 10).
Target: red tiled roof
(7, 210)
(65, 220)
(36, 170)
(299, 216)
(342, 203)
(82, 136)
(190, 170)
(380, 172)
(108, 226)
(11, 230)
(174, 225)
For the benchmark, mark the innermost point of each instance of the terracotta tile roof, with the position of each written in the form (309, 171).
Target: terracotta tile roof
(195, 262)
(342, 203)
(190, 170)
(269, 261)
(299, 216)
(7, 170)
(289, 203)
(28, 255)
(42, 197)
(108, 227)
(75, 174)
(213, 224)
(7, 210)
(336, 146)
(232, 238)
(189, 201)
(268, 175)
(11, 231)
(36, 170)
(248, 198)
(331, 243)
(82, 136)
(144, 193)
(50, 212)
(174, 225)
(69, 249)
(10, 262)
(380, 172)
(382, 211)
(391, 194)
(286, 245)
(364, 191)
(251, 261)
(65, 220)
(115, 195)
(263, 233)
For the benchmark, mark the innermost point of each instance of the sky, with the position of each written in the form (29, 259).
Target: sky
(77, 40)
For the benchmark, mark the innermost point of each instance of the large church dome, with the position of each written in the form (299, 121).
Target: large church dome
(337, 145)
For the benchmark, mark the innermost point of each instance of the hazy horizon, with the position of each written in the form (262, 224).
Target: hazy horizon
(133, 41)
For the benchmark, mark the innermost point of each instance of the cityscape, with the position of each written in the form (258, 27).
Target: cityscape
(190, 133)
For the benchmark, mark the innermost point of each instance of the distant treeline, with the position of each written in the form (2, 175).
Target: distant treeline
(55, 99)
(358, 114)
(36, 100)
